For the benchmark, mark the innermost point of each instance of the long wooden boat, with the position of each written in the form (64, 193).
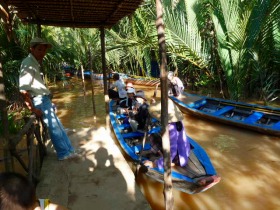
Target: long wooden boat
(197, 176)
(264, 119)
(147, 81)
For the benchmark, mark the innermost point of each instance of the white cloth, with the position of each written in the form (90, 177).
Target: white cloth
(30, 78)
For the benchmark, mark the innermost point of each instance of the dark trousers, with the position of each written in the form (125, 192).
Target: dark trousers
(113, 94)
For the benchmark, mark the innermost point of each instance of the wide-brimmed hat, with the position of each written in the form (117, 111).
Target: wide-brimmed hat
(174, 113)
(140, 94)
(131, 90)
(37, 40)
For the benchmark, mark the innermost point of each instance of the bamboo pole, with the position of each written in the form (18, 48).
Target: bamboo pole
(168, 195)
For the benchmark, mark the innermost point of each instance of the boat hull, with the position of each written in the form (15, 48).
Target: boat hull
(186, 179)
(263, 119)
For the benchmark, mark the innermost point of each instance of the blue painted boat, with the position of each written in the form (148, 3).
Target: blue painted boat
(264, 119)
(87, 74)
(197, 176)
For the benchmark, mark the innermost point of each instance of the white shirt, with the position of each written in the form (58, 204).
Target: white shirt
(30, 77)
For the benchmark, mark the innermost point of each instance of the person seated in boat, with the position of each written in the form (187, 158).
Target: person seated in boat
(128, 103)
(139, 119)
(156, 150)
(176, 86)
(17, 193)
(119, 84)
(179, 143)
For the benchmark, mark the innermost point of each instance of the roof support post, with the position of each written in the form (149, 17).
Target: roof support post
(106, 96)
(102, 37)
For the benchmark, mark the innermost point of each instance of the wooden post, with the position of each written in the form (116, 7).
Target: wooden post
(106, 96)
(168, 195)
(102, 37)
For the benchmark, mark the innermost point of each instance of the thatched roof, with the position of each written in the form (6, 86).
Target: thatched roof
(73, 13)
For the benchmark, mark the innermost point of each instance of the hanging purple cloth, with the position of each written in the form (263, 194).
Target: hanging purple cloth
(178, 143)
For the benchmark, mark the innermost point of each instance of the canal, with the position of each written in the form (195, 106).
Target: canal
(247, 161)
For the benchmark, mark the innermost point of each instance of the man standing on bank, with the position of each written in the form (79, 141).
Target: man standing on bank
(37, 98)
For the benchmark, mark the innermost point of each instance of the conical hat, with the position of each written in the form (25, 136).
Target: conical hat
(174, 113)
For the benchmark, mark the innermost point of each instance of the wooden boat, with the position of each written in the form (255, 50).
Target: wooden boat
(147, 81)
(197, 176)
(259, 118)
(96, 76)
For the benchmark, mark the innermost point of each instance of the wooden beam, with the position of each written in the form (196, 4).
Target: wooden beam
(70, 23)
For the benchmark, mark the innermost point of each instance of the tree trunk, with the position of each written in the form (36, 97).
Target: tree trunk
(168, 195)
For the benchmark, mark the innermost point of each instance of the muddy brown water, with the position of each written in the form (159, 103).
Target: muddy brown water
(247, 161)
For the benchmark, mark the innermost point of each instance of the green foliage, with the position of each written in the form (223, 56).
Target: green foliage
(233, 45)
(16, 121)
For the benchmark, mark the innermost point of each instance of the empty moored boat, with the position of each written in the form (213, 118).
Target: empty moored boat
(264, 119)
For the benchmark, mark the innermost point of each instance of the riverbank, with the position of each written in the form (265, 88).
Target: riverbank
(100, 179)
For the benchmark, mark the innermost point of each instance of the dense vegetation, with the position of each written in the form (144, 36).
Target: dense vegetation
(232, 46)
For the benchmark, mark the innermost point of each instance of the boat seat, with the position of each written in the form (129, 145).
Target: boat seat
(121, 116)
(138, 148)
(276, 126)
(139, 134)
(132, 135)
(198, 104)
(253, 117)
(124, 126)
(244, 112)
(223, 110)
